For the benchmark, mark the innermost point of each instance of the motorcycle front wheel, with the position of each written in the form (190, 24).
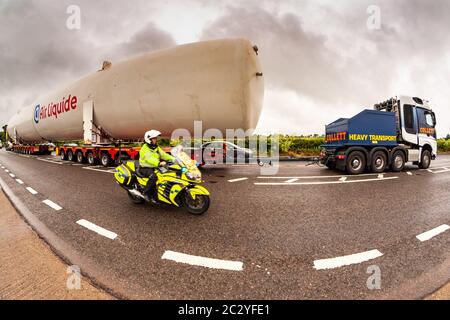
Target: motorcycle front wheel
(197, 206)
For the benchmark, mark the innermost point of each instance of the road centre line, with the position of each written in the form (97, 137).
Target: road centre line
(97, 229)
(319, 182)
(432, 233)
(291, 181)
(19, 181)
(52, 205)
(318, 177)
(202, 261)
(237, 180)
(93, 169)
(50, 161)
(338, 262)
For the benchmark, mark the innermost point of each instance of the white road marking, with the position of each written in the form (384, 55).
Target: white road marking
(441, 171)
(12, 175)
(429, 170)
(291, 180)
(6, 170)
(52, 205)
(409, 173)
(99, 170)
(381, 176)
(346, 260)
(318, 177)
(101, 231)
(343, 179)
(202, 261)
(432, 233)
(237, 180)
(19, 181)
(31, 190)
(319, 182)
(50, 161)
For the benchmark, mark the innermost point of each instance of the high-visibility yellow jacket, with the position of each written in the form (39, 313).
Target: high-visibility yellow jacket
(150, 158)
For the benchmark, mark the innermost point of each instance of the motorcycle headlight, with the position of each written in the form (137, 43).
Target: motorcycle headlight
(190, 175)
(194, 176)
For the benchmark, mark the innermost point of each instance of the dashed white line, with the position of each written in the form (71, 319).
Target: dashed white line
(409, 173)
(237, 180)
(6, 170)
(12, 175)
(432, 233)
(19, 181)
(31, 190)
(319, 182)
(52, 205)
(99, 170)
(346, 260)
(202, 261)
(50, 161)
(319, 177)
(291, 180)
(101, 231)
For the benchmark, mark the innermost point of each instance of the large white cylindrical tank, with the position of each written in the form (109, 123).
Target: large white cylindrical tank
(218, 82)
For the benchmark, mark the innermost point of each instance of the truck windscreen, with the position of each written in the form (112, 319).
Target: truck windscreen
(426, 121)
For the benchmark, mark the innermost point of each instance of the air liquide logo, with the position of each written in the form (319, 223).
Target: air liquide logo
(55, 109)
(37, 111)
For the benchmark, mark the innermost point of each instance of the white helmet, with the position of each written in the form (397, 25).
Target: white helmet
(150, 135)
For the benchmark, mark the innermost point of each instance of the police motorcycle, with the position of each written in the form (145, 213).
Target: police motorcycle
(178, 183)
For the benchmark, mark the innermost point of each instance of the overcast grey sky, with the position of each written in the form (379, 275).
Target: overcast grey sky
(320, 59)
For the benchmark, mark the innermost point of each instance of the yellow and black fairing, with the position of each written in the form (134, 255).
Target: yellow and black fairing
(174, 181)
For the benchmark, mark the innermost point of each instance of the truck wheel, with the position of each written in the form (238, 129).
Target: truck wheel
(106, 160)
(70, 155)
(80, 157)
(425, 160)
(379, 162)
(356, 163)
(62, 155)
(398, 161)
(91, 159)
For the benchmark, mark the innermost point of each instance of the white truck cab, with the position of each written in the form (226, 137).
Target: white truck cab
(416, 127)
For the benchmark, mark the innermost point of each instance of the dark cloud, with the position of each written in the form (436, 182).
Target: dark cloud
(39, 53)
(325, 52)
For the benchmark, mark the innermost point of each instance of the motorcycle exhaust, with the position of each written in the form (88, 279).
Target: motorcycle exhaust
(136, 193)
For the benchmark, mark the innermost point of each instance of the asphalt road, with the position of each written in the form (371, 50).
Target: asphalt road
(272, 237)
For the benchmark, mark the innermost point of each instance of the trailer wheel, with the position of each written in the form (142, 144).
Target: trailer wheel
(80, 157)
(398, 161)
(356, 163)
(425, 160)
(70, 155)
(106, 160)
(91, 159)
(62, 155)
(379, 162)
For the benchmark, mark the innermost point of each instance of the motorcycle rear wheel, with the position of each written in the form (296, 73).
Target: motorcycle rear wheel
(197, 206)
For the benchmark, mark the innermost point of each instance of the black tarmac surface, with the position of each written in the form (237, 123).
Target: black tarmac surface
(277, 226)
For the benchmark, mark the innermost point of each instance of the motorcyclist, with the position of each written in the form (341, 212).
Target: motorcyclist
(151, 157)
